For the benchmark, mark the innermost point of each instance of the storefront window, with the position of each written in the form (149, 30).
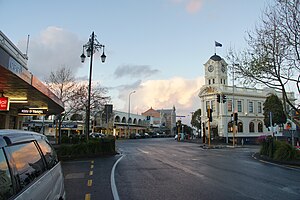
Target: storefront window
(260, 127)
(251, 127)
(240, 127)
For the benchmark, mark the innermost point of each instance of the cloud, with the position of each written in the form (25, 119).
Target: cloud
(52, 49)
(163, 94)
(134, 71)
(191, 6)
(194, 6)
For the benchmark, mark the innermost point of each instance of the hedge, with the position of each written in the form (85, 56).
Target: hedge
(92, 148)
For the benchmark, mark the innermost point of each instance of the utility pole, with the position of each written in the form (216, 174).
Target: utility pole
(209, 115)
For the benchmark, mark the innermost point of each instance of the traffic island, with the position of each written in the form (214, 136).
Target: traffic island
(263, 158)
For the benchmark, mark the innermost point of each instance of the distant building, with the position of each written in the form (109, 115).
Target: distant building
(246, 102)
(163, 120)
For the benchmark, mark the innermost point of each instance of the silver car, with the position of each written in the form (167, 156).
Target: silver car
(29, 168)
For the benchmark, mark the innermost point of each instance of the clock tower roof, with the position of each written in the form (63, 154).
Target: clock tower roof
(215, 71)
(215, 57)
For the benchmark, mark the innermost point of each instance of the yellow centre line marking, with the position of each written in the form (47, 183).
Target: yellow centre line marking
(91, 173)
(90, 182)
(87, 196)
(92, 166)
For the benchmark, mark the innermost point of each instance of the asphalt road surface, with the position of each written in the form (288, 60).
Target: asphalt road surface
(165, 169)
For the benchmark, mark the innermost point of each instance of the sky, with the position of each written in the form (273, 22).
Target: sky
(154, 47)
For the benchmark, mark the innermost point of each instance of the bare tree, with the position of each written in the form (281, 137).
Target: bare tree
(61, 82)
(272, 57)
(79, 98)
(74, 94)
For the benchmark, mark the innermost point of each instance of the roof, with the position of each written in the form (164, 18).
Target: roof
(11, 136)
(215, 57)
(16, 82)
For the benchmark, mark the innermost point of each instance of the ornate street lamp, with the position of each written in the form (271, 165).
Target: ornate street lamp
(91, 47)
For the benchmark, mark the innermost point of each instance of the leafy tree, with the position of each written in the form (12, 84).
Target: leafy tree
(273, 104)
(272, 58)
(196, 120)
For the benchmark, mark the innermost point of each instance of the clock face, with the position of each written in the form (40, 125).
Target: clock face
(210, 68)
(223, 68)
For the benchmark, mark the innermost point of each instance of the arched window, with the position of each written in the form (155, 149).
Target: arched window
(134, 121)
(230, 127)
(117, 119)
(251, 127)
(130, 120)
(124, 120)
(260, 127)
(240, 127)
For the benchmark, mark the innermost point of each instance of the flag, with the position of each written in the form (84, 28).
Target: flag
(217, 44)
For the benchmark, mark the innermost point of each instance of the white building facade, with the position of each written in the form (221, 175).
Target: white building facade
(246, 102)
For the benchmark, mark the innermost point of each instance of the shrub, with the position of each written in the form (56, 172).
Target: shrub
(91, 148)
(285, 152)
(65, 139)
(267, 146)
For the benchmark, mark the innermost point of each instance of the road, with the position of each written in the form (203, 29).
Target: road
(166, 169)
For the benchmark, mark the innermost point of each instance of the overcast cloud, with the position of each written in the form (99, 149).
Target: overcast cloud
(134, 71)
(163, 94)
(53, 49)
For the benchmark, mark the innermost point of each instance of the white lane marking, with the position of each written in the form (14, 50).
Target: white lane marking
(112, 180)
(145, 152)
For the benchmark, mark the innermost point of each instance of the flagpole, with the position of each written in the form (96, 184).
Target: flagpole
(215, 48)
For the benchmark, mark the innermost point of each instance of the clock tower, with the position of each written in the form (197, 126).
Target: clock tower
(216, 71)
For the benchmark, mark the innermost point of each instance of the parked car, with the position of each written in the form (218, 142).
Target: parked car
(29, 167)
(145, 135)
(155, 135)
(97, 135)
(135, 136)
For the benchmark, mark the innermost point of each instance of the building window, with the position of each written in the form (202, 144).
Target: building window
(207, 104)
(209, 81)
(240, 127)
(221, 81)
(250, 107)
(213, 81)
(229, 105)
(259, 110)
(230, 127)
(224, 81)
(239, 104)
(251, 127)
(213, 105)
(260, 127)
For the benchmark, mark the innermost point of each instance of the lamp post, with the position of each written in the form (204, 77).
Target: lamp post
(129, 110)
(233, 106)
(91, 47)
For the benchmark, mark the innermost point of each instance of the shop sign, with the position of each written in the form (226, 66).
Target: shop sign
(26, 111)
(4, 104)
